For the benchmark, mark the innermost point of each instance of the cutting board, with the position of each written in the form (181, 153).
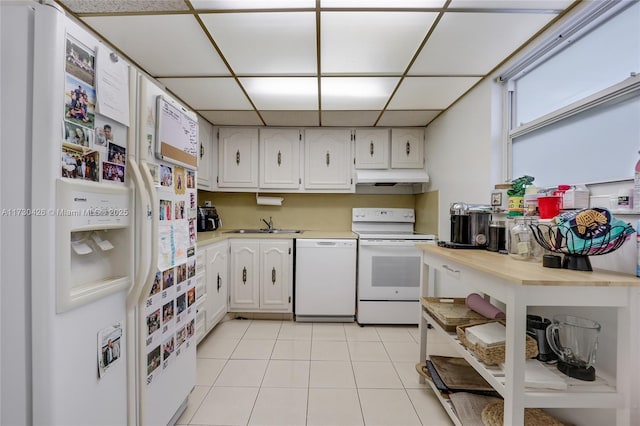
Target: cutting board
(469, 407)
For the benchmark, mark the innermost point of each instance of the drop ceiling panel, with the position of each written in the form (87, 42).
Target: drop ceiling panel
(511, 4)
(349, 118)
(124, 6)
(266, 43)
(282, 93)
(291, 118)
(371, 42)
(208, 93)
(407, 118)
(474, 43)
(252, 4)
(359, 93)
(430, 92)
(184, 50)
(232, 118)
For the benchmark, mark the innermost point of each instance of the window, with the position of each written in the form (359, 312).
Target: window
(576, 114)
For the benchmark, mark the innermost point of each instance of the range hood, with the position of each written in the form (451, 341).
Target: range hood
(388, 177)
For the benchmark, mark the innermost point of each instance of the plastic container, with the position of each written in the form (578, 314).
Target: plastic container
(577, 197)
(549, 206)
(560, 192)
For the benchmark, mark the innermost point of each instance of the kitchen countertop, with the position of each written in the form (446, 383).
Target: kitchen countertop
(529, 273)
(205, 238)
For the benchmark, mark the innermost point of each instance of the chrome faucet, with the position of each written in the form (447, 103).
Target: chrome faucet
(269, 224)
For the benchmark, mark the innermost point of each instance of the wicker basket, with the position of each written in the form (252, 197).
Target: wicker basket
(493, 355)
(493, 415)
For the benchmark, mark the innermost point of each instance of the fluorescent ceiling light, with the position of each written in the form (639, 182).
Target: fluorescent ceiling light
(281, 86)
(253, 4)
(381, 3)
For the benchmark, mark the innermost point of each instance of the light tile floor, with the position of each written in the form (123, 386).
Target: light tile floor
(258, 372)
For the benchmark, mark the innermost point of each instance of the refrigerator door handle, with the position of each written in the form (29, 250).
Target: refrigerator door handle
(142, 271)
(153, 242)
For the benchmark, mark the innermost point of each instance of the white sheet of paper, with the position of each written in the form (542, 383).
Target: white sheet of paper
(112, 86)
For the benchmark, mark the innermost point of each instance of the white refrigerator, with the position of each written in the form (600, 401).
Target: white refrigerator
(106, 206)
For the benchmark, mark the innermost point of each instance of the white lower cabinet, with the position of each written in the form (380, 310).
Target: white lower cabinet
(216, 283)
(260, 275)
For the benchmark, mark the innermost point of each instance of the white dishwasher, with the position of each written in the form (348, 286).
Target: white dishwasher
(325, 280)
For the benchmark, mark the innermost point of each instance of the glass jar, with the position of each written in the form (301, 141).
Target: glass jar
(522, 245)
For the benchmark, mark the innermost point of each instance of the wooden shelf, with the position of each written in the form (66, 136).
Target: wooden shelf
(585, 395)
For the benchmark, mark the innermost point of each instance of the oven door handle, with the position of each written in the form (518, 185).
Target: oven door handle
(389, 243)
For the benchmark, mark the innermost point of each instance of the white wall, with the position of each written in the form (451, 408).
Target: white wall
(462, 156)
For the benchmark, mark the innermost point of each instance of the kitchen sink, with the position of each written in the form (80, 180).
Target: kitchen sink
(265, 231)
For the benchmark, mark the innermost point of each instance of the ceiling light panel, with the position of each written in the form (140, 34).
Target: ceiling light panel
(511, 4)
(371, 42)
(208, 93)
(266, 43)
(251, 4)
(474, 43)
(123, 6)
(381, 3)
(430, 92)
(341, 93)
(164, 45)
(282, 93)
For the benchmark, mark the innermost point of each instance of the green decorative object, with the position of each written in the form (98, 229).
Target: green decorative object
(516, 195)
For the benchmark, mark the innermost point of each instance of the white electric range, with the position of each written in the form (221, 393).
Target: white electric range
(389, 265)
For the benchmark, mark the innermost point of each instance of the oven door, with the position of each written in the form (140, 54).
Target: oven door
(389, 269)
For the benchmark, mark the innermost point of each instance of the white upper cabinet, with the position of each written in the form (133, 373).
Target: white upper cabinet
(328, 159)
(205, 160)
(372, 148)
(280, 158)
(407, 148)
(238, 158)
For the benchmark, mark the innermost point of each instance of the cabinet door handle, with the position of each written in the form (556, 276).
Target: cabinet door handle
(371, 148)
(244, 275)
(201, 150)
(219, 283)
(238, 157)
(408, 148)
(328, 158)
(273, 276)
(279, 158)
(450, 269)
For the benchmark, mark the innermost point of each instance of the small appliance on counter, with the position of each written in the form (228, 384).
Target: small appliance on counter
(208, 219)
(469, 226)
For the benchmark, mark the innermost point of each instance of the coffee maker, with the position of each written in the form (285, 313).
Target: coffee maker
(469, 226)
(208, 219)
